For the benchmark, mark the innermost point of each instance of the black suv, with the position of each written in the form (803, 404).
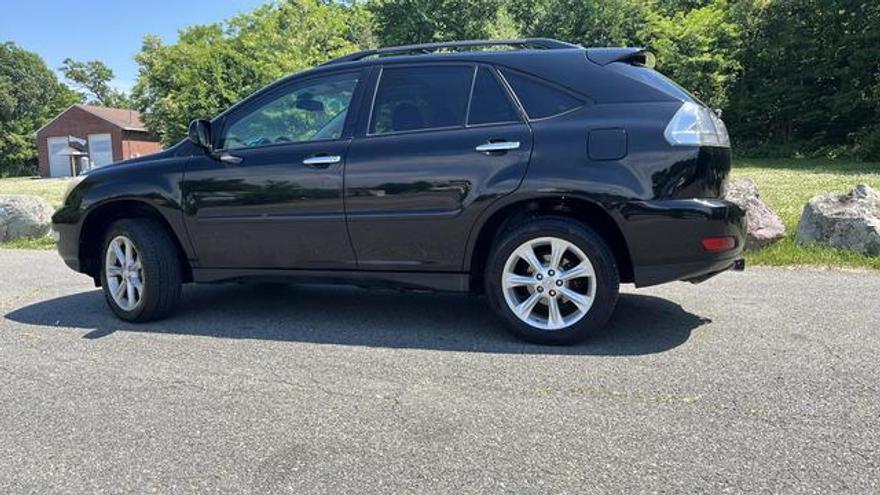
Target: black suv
(535, 171)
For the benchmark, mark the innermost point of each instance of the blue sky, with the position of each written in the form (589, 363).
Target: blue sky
(107, 30)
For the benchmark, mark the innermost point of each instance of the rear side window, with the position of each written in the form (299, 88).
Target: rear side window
(538, 98)
(413, 98)
(490, 103)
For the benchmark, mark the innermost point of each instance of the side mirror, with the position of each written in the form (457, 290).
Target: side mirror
(200, 134)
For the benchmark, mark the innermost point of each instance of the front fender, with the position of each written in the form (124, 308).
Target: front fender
(153, 184)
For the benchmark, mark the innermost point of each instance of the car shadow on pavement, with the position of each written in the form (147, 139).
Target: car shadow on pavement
(641, 324)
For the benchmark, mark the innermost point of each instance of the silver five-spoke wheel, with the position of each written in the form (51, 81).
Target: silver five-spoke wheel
(124, 272)
(549, 283)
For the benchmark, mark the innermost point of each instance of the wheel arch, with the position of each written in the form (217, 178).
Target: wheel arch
(101, 216)
(585, 211)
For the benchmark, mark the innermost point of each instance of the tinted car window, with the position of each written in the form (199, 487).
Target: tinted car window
(540, 99)
(310, 111)
(412, 98)
(490, 103)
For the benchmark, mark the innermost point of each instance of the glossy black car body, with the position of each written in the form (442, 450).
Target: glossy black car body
(421, 209)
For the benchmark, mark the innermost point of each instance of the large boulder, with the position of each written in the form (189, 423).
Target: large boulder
(24, 216)
(763, 225)
(845, 221)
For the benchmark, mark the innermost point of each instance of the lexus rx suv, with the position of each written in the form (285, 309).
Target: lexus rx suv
(536, 172)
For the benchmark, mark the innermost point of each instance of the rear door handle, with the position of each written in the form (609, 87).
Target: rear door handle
(322, 161)
(499, 146)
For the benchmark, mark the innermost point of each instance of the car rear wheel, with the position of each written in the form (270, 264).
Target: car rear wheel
(140, 270)
(553, 280)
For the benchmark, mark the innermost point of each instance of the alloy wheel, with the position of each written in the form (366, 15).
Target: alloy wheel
(549, 283)
(124, 273)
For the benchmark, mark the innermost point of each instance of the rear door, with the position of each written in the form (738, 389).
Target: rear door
(440, 142)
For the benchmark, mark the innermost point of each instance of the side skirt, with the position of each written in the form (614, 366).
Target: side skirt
(439, 282)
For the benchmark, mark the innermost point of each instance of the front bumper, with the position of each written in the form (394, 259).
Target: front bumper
(67, 241)
(664, 238)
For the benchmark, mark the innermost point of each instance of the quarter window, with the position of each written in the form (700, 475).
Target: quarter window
(540, 99)
(311, 111)
(490, 103)
(413, 98)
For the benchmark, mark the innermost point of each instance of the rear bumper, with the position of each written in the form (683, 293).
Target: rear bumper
(664, 237)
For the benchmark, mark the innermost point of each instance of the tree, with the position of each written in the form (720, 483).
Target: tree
(586, 22)
(811, 77)
(803, 74)
(402, 22)
(696, 41)
(93, 78)
(213, 66)
(699, 48)
(30, 95)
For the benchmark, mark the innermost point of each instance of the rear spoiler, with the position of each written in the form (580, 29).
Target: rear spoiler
(635, 56)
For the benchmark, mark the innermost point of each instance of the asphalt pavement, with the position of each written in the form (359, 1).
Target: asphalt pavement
(766, 381)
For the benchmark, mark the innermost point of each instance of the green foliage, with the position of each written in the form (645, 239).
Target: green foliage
(93, 79)
(587, 22)
(696, 43)
(698, 48)
(811, 76)
(30, 95)
(403, 22)
(213, 66)
(794, 77)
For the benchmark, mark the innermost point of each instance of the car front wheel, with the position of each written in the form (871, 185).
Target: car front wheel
(140, 270)
(553, 280)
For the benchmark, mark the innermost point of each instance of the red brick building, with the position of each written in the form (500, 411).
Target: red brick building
(88, 136)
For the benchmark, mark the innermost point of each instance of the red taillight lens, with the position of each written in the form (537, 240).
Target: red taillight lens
(716, 244)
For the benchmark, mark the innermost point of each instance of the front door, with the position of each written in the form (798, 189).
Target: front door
(443, 142)
(272, 197)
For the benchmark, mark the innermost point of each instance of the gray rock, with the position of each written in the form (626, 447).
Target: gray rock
(24, 216)
(763, 225)
(845, 221)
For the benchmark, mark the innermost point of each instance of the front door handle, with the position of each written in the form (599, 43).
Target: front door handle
(322, 161)
(230, 159)
(499, 146)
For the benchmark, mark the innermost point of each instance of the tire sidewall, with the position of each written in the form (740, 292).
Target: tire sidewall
(604, 265)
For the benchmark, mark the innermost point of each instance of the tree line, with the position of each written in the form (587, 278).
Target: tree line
(792, 77)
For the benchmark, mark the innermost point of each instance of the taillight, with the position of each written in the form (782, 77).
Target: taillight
(718, 244)
(696, 125)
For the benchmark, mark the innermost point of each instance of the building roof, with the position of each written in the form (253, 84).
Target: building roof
(126, 119)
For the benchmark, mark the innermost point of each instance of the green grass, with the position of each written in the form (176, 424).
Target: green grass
(786, 186)
(49, 189)
(28, 243)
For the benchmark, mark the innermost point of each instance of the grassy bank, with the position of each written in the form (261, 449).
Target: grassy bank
(786, 185)
(49, 189)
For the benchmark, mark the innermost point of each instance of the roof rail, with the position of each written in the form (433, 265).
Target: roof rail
(424, 48)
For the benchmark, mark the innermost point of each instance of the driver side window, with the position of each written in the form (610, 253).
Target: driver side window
(311, 111)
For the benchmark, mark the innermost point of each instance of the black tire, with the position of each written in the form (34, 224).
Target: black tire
(161, 269)
(588, 241)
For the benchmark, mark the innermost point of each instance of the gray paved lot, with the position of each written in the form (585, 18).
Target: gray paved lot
(760, 382)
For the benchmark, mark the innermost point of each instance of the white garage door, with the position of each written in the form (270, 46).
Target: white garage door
(100, 150)
(59, 164)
